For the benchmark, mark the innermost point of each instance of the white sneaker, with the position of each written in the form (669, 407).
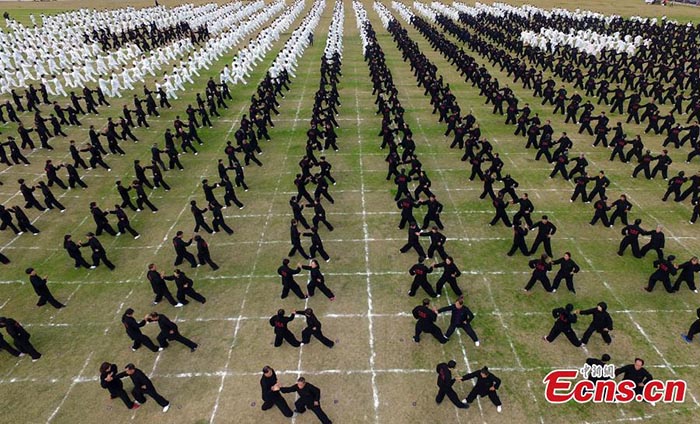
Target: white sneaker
(133, 350)
(137, 237)
(93, 267)
(499, 408)
(476, 343)
(179, 305)
(160, 349)
(166, 407)
(118, 234)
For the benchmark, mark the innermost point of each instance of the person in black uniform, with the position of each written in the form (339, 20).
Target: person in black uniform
(539, 273)
(566, 272)
(545, 230)
(288, 283)
(420, 272)
(159, 286)
(74, 178)
(20, 336)
(674, 187)
(98, 252)
(696, 211)
(110, 381)
(142, 197)
(49, 198)
(28, 194)
(461, 317)
(198, 215)
(450, 273)
(525, 210)
(143, 386)
(656, 243)
(425, 323)
(320, 215)
(203, 254)
(123, 223)
(6, 220)
(230, 195)
(520, 230)
(133, 330)
(413, 241)
(309, 398)
(271, 395)
(636, 373)
(73, 250)
(437, 243)
(313, 328)
(169, 332)
(664, 269)
(279, 322)
(622, 207)
(644, 165)
(297, 212)
(631, 235)
(694, 328)
(316, 244)
(687, 275)
(158, 180)
(185, 287)
(218, 221)
(564, 317)
(601, 184)
(317, 280)
(101, 221)
(433, 214)
(42, 289)
(23, 222)
(445, 383)
(500, 206)
(295, 236)
(181, 252)
(601, 209)
(662, 163)
(486, 385)
(602, 323)
(124, 194)
(580, 183)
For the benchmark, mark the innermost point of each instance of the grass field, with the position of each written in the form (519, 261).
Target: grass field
(375, 373)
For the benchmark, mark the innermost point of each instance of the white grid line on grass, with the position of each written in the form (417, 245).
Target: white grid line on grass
(221, 373)
(271, 276)
(365, 232)
(70, 389)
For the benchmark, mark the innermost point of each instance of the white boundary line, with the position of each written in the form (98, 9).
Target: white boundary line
(365, 232)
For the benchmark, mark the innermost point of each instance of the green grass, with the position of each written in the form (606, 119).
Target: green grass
(232, 327)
